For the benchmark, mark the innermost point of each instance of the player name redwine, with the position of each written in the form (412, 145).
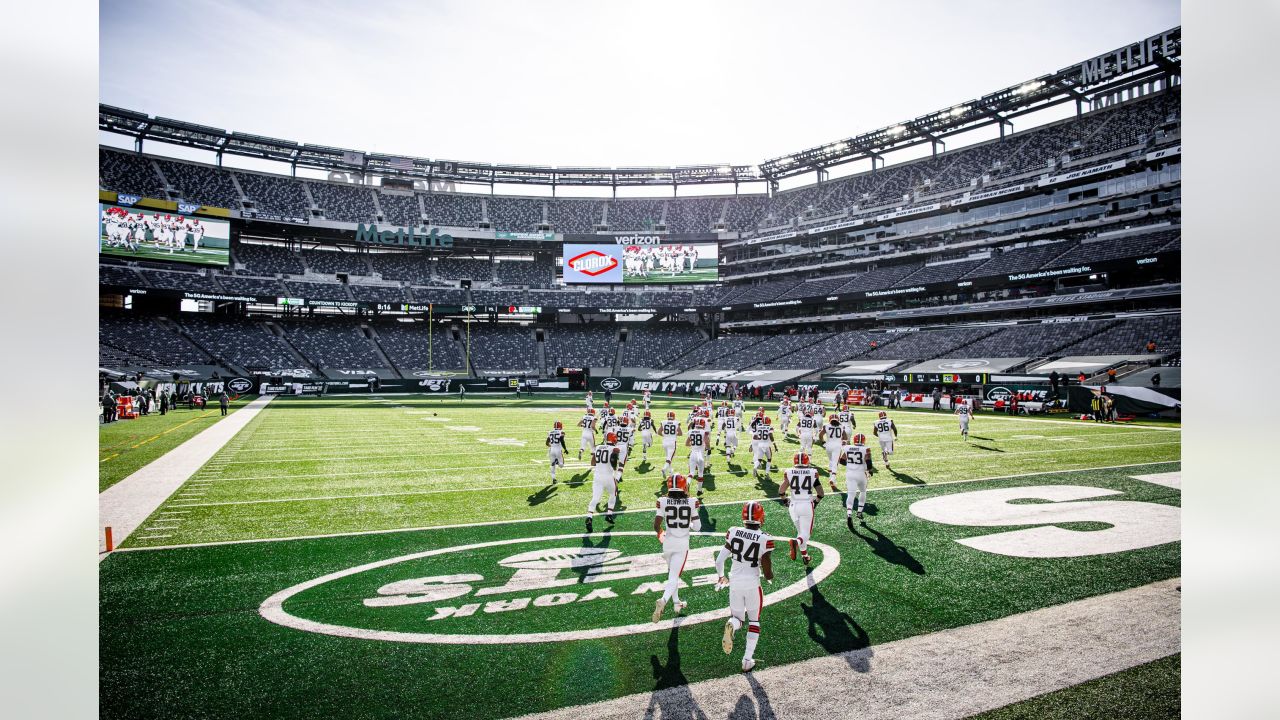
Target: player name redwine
(403, 236)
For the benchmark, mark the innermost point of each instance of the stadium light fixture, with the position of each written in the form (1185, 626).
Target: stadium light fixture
(1030, 87)
(897, 129)
(958, 111)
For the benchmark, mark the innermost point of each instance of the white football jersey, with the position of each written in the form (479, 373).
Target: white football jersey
(698, 440)
(884, 428)
(963, 410)
(808, 423)
(678, 515)
(747, 548)
(835, 433)
(801, 483)
(857, 459)
(669, 429)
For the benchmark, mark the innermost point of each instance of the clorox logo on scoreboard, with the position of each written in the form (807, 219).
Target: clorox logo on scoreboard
(592, 262)
(523, 590)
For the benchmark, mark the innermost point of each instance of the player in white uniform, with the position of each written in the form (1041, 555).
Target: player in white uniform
(962, 411)
(646, 399)
(180, 233)
(670, 431)
(646, 434)
(847, 421)
(751, 549)
(604, 463)
(762, 446)
(784, 416)
(832, 438)
(731, 423)
(555, 448)
(807, 426)
(197, 234)
(677, 515)
(590, 400)
(856, 459)
(626, 436)
(588, 425)
(886, 431)
(799, 485)
(698, 441)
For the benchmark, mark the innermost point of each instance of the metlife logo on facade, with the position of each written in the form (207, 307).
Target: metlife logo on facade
(593, 263)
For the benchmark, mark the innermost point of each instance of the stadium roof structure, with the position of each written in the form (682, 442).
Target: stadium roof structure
(1140, 62)
(1134, 64)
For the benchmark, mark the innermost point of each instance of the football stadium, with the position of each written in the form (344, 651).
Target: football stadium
(884, 427)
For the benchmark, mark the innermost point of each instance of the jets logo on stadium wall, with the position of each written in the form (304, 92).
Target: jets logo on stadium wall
(962, 364)
(523, 590)
(610, 383)
(239, 385)
(592, 262)
(435, 384)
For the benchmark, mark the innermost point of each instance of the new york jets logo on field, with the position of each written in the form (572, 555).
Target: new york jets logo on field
(523, 590)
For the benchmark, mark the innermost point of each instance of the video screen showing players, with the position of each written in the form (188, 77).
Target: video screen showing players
(641, 264)
(143, 234)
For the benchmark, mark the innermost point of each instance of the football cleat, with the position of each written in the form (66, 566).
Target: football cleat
(859, 514)
(805, 556)
(848, 520)
(726, 642)
(609, 518)
(658, 607)
(793, 544)
(680, 606)
(748, 664)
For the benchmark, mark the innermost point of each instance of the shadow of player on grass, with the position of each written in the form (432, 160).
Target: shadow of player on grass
(543, 495)
(906, 478)
(837, 632)
(578, 480)
(883, 546)
(671, 697)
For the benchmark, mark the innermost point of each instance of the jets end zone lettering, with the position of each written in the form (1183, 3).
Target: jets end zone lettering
(1134, 525)
(489, 593)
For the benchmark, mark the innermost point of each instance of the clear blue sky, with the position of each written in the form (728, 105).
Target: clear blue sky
(593, 83)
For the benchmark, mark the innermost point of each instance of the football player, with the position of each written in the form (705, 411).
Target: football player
(604, 465)
(731, 422)
(721, 413)
(798, 493)
(762, 446)
(610, 421)
(962, 410)
(784, 415)
(847, 421)
(832, 438)
(625, 433)
(698, 440)
(646, 434)
(197, 234)
(807, 426)
(678, 514)
(886, 432)
(588, 425)
(669, 430)
(751, 549)
(556, 448)
(646, 399)
(857, 461)
(590, 400)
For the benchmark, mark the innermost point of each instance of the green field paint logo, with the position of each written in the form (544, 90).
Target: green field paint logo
(566, 587)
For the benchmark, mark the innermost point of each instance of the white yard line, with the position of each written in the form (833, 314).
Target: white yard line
(647, 509)
(1169, 479)
(945, 675)
(124, 506)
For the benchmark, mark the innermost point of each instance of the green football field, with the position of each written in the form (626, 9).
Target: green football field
(204, 256)
(699, 275)
(396, 556)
